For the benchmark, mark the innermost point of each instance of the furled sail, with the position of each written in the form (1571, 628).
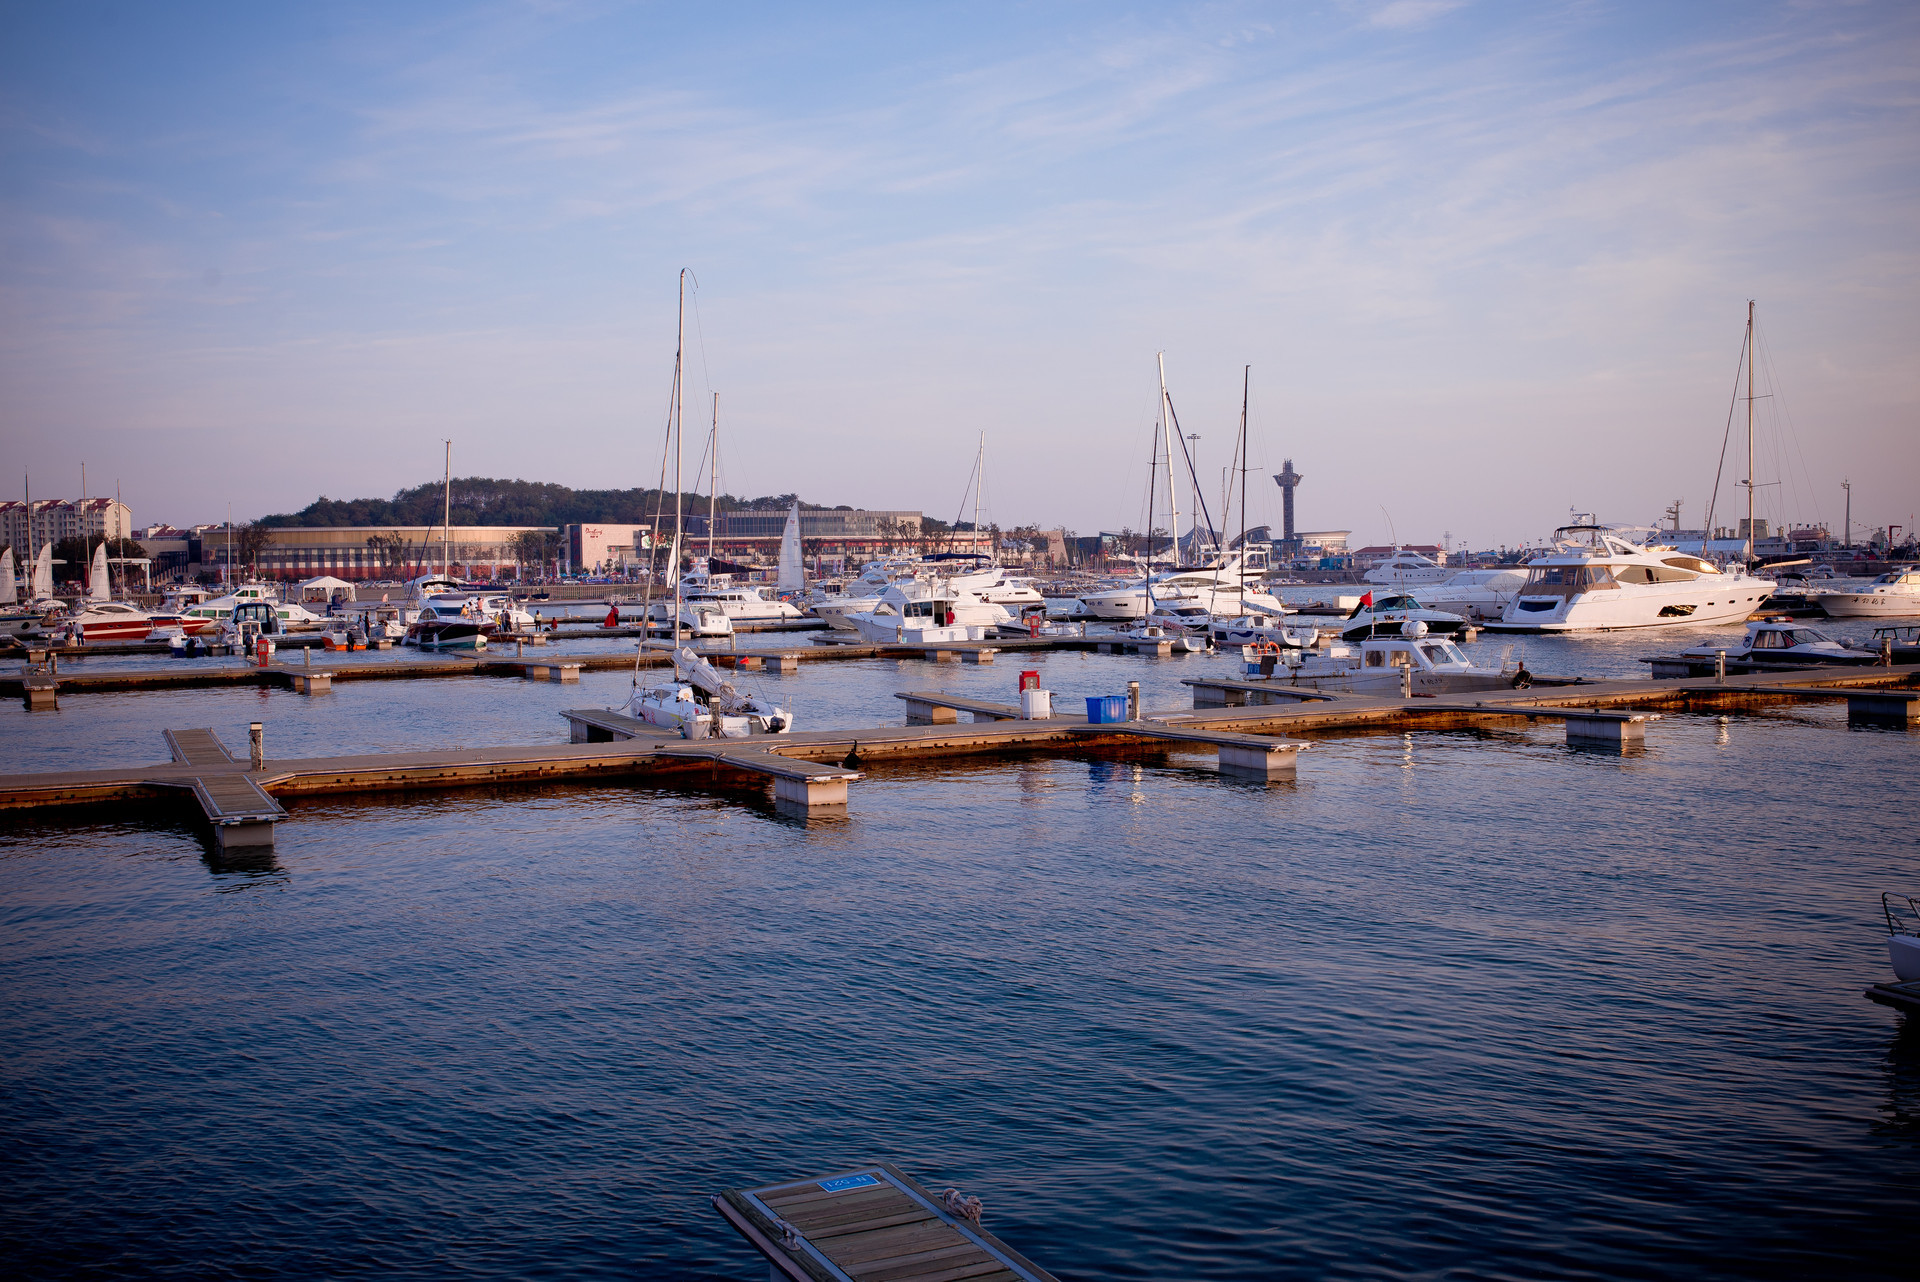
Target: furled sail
(9, 593)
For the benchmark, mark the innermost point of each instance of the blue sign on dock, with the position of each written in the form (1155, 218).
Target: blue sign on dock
(846, 1182)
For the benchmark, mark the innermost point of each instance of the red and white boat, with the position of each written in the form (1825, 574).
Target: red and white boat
(95, 622)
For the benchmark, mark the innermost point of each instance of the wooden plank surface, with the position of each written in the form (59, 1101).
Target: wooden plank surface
(198, 748)
(235, 796)
(889, 1229)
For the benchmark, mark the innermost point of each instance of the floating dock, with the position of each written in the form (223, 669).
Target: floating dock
(872, 1224)
(1899, 995)
(809, 772)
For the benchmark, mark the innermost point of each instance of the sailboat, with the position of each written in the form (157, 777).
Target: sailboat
(792, 572)
(698, 703)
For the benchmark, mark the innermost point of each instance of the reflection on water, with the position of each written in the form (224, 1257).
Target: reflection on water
(1468, 1002)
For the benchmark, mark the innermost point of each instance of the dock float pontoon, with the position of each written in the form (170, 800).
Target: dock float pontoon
(871, 1222)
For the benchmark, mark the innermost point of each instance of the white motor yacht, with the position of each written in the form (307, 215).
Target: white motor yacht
(449, 623)
(293, 618)
(1786, 641)
(1412, 662)
(1405, 568)
(1251, 629)
(1895, 594)
(1388, 612)
(738, 601)
(1148, 629)
(700, 703)
(1595, 581)
(926, 613)
(1228, 586)
(1481, 595)
(697, 618)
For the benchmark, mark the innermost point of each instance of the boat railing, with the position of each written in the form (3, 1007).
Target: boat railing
(1896, 917)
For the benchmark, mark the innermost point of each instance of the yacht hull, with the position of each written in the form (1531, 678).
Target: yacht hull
(1869, 605)
(1905, 954)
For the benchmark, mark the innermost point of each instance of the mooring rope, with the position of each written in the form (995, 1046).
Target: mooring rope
(967, 1208)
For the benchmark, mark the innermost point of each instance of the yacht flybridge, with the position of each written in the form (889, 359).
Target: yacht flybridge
(1594, 580)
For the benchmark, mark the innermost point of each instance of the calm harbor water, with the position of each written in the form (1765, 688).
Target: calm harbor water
(1450, 1004)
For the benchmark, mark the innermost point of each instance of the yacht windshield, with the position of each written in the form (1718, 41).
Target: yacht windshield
(1442, 652)
(1564, 580)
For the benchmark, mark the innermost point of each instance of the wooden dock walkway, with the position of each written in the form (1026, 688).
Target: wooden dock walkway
(213, 673)
(872, 1224)
(810, 771)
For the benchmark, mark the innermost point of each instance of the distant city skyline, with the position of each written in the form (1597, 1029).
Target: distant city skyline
(1489, 263)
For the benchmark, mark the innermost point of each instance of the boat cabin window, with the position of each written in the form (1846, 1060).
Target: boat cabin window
(1652, 574)
(1567, 579)
(1770, 640)
(1439, 652)
(1693, 563)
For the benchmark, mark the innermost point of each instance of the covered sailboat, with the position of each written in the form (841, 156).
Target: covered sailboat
(700, 703)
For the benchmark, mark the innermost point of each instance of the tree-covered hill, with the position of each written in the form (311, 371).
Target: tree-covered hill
(482, 500)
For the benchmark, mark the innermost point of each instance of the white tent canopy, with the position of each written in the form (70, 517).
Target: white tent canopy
(328, 584)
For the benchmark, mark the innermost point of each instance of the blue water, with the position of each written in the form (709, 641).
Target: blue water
(1450, 1004)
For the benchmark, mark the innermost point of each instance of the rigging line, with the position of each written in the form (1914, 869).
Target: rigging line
(1191, 473)
(700, 335)
(659, 507)
(1712, 502)
(1784, 413)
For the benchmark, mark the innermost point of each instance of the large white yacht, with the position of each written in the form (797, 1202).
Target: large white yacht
(929, 613)
(1228, 587)
(1476, 594)
(1404, 567)
(989, 584)
(738, 601)
(1595, 581)
(1895, 594)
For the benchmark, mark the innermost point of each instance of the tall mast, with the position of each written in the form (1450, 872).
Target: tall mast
(979, 479)
(1240, 581)
(446, 515)
(679, 346)
(1750, 539)
(713, 476)
(1173, 489)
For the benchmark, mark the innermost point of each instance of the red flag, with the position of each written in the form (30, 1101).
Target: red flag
(1366, 602)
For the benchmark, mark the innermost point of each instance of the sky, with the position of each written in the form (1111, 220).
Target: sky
(1488, 263)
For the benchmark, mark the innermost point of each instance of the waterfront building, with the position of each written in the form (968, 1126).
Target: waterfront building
(357, 552)
(54, 519)
(839, 531)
